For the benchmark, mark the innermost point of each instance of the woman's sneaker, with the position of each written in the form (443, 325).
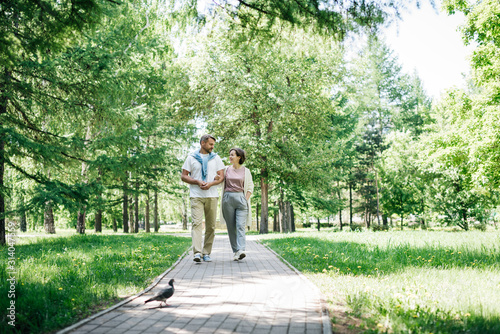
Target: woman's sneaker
(197, 257)
(239, 255)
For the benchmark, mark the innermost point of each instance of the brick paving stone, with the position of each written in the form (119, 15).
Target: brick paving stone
(257, 295)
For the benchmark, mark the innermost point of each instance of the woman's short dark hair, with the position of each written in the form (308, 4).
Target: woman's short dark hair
(240, 153)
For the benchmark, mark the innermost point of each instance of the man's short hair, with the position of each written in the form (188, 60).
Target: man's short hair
(205, 138)
(240, 153)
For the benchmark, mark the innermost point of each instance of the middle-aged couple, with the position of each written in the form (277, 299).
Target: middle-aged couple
(204, 170)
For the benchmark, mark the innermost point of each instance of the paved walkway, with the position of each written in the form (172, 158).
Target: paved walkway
(259, 294)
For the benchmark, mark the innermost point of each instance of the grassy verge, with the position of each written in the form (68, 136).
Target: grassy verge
(61, 280)
(404, 282)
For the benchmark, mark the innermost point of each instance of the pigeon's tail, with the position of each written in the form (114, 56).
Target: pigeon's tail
(149, 300)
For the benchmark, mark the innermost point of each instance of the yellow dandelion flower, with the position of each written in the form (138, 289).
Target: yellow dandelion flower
(324, 270)
(60, 288)
(380, 325)
(376, 268)
(359, 267)
(467, 314)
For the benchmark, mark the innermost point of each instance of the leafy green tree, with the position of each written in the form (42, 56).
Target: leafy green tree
(448, 157)
(31, 33)
(386, 100)
(270, 101)
(402, 181)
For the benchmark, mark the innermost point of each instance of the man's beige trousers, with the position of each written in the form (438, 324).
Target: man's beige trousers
(199, 207)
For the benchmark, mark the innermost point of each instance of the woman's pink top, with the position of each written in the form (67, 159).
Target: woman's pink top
(235, 179)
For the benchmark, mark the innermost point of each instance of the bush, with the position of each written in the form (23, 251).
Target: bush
(376, 228)
(480, 227)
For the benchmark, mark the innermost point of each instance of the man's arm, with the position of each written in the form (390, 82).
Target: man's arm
(188, 179)
(216, 181)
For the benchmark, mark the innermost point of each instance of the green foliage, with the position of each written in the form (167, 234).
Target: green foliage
(338, 19)
(62, 280)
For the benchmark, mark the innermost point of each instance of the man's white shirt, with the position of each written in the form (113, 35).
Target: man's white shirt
(193, 166)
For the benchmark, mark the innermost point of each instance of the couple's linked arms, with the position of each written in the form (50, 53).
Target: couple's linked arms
(203, 184)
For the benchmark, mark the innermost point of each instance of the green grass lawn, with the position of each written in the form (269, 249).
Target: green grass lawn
(403, 282)
(61, 280)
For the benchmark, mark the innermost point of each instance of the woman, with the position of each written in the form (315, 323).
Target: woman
(235, 206)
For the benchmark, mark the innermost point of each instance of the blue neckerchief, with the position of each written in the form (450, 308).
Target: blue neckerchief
(203, 160)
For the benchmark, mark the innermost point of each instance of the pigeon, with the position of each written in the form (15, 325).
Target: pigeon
(164, 294)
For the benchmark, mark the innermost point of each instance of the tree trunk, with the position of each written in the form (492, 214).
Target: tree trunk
(3, 110)
(136, 208)
(319, 225)
(155, 212)
(350, 206)
(367, 216)
(257, 214)
(22, 213)
(281, 215)
(284, 222)
(49, 219)
(125, 207)
(131, 217)
(23, 225)
(80, 221)
(402, 219)
(378, 201)
(340, 200)
(464, 217)
(115, 227)
(264, 213)
(276, 225)
(147, 227)
(80, 225)
(384, 220)
(292, 218)
(98, 216)
(288, 217)
(98, 221)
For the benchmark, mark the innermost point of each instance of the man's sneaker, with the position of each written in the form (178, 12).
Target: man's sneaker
(207, 258)
(197, 257)
(242, 255)
(236, 256)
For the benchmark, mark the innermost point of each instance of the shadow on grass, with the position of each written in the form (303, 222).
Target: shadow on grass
(64, 279)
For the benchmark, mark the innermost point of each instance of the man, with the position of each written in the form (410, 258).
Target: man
(199, 170)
